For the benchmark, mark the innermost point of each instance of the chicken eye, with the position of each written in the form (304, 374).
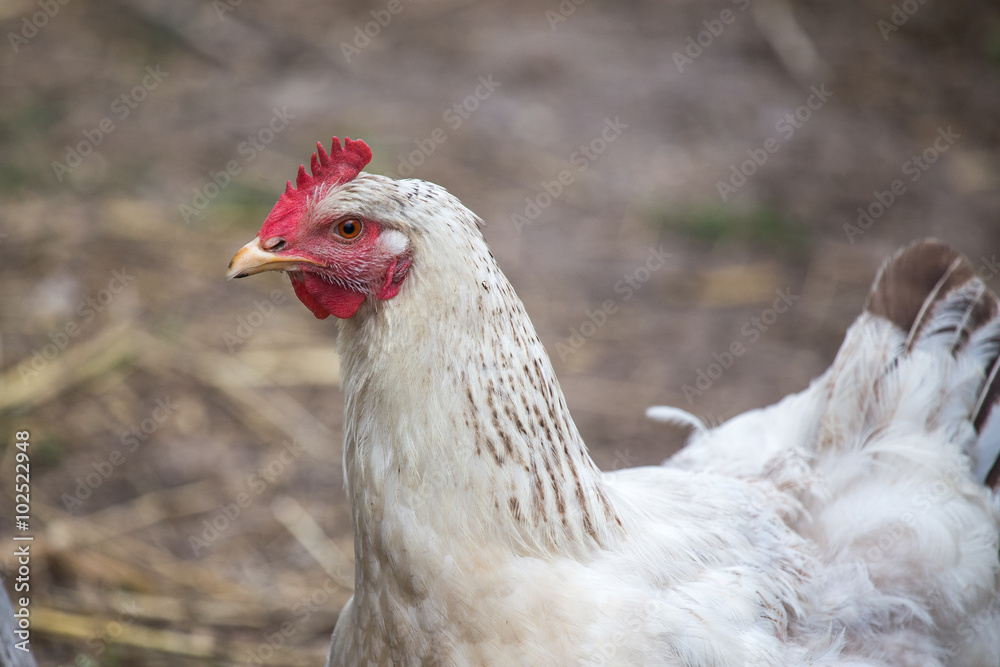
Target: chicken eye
(349, 228)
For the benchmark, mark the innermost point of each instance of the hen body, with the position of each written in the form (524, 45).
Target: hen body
(848, 524)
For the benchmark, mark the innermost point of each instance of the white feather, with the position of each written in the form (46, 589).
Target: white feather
(672, 415)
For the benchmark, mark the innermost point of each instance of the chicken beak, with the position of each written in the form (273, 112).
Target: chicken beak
(252, 259)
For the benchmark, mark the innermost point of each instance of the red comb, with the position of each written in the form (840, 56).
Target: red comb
(340, 165)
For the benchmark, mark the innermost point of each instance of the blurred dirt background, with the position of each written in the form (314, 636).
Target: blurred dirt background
(187, 503)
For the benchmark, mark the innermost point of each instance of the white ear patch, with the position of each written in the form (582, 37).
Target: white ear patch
(392, 242)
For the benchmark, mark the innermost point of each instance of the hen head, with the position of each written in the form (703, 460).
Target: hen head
(333, 235)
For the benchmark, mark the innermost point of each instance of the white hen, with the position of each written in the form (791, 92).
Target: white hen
(849, 524)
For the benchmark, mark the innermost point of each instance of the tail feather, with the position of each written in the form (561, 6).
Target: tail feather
(954, 319)
(932, 293)
(987, 350)
(986, 419)
(984, 346)
(913, 281)
(925, 354)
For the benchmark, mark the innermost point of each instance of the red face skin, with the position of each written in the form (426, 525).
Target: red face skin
(351, 265)
(355, 268)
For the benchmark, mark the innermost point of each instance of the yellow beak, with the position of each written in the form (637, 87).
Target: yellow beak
(253, 259)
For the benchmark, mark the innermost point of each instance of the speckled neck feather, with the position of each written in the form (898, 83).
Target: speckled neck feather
(491, 455)
(512, 447)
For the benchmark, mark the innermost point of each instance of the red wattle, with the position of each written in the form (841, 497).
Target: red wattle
(300, 291)
(325, 299)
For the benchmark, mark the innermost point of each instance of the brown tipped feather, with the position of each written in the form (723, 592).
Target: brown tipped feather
(980, 306)
(927, 289)
(913, 280)
(989, 397)
(993, 477)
